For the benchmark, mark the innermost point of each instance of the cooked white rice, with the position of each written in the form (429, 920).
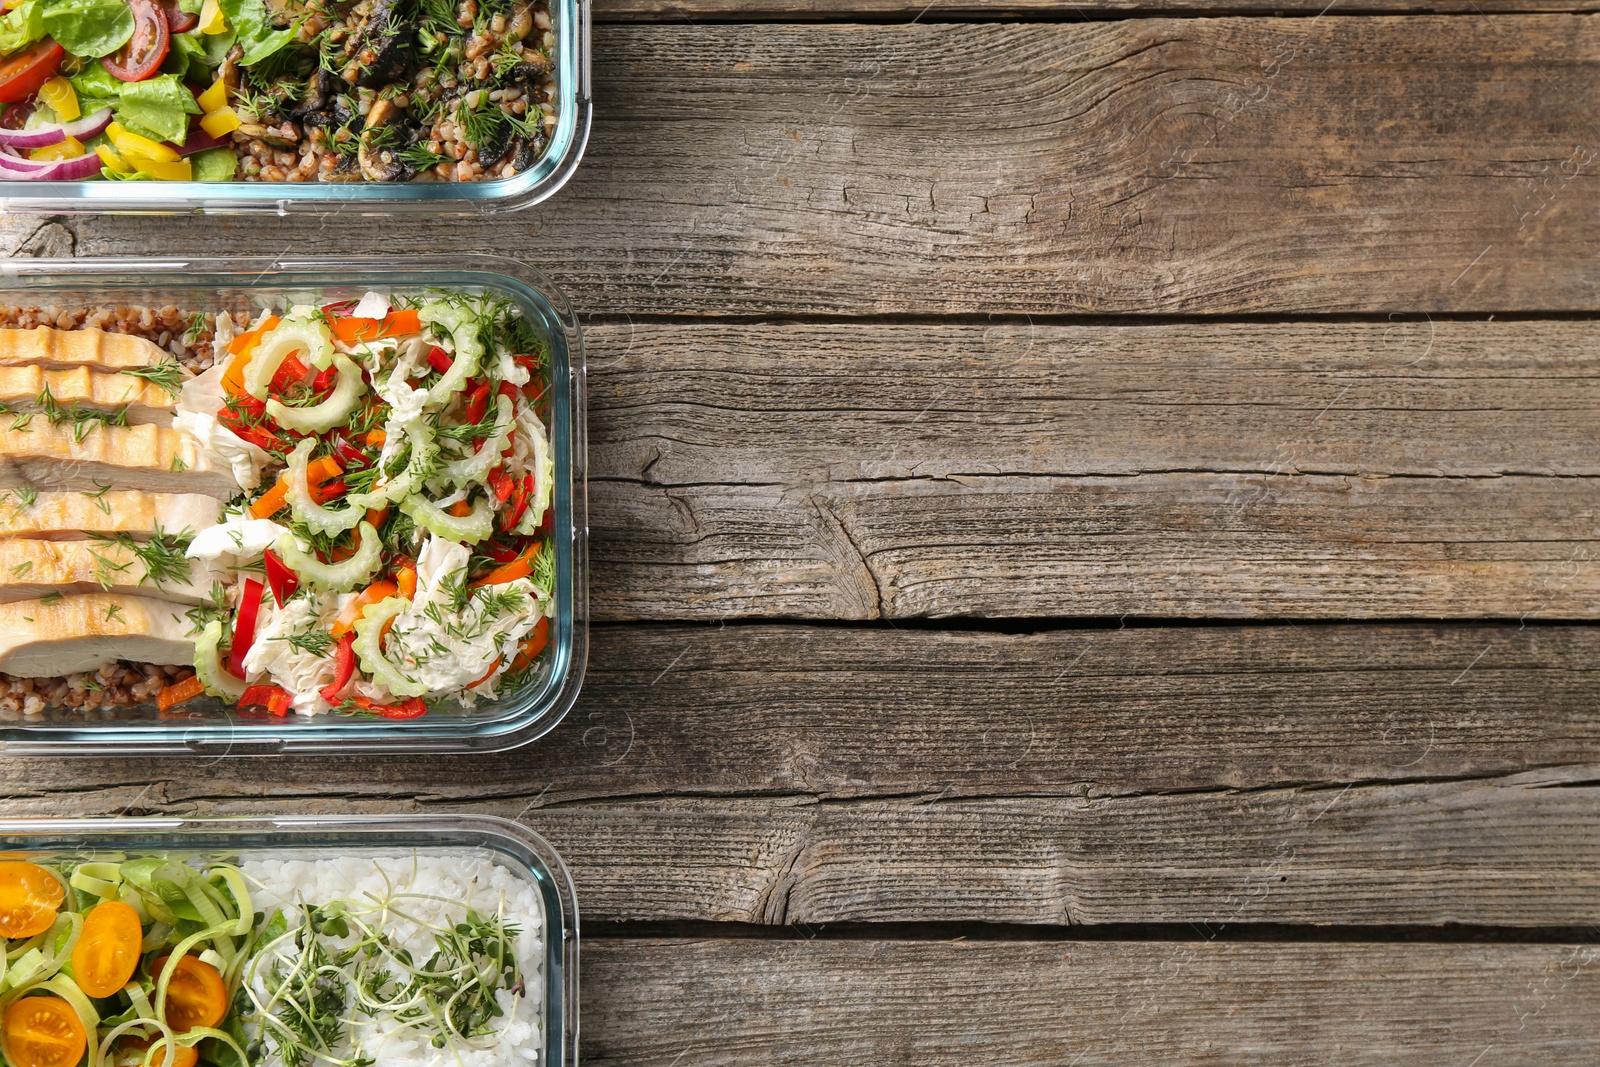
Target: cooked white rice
(438, 889)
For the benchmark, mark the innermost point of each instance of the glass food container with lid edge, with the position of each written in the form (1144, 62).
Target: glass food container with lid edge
(570, 20)
(515, 846)
(232, 283)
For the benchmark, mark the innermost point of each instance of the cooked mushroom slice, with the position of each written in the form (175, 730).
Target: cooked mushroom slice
(64, 635)
(30, 569)
(386, 136)
(26, 512)
(155, 459)
(65, 349)
(526, 152)
(385, 50)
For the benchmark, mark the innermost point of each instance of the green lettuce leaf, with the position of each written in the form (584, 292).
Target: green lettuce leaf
(251, 21)
(88, 27)
(158, 108)
(21, 26)
(214, 165)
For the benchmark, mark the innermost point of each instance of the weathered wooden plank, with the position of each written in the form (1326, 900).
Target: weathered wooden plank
(1147, 165)
(1235, 470)
(1515, 851)
(655, 1003)
(836, 713)
(940, 11)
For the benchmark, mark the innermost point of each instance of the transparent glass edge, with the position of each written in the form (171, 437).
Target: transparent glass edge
(525, 190)
(243, 739)
(526, 846)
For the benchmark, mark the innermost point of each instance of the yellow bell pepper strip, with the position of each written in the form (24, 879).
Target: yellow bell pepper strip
(109, 157)
(168, 171)
(62, 98)
(213, 98)
(130, 144)
(70, 148)
(221, 122)
(212, 21)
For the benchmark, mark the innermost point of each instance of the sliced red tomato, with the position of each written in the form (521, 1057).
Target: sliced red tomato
(179, 20)
(142, 55)
(22, 74)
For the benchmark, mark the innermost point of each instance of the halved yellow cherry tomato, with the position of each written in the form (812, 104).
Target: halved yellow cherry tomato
(195, 995)
(42, 1032)
(107, 952)
(29, 897)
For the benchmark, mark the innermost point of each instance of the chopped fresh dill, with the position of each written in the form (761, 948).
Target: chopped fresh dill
(315, 642)
(168, 374)
(162, 555)
(99, 497)
(51, 597)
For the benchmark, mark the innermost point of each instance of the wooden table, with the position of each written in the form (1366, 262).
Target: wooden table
(1094, 531)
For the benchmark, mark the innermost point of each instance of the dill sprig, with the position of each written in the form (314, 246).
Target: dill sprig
(83, 419)
(168, 374)
(162, 556)
(316, 642)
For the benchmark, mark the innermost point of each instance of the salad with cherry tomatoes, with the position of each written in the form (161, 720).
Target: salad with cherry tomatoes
(286, 90)
(161, 961)
(117, 963)
(393, 546)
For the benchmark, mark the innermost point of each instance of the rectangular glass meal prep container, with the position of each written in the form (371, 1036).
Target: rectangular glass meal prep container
(202, 726)
(501, 841)
(569, 21)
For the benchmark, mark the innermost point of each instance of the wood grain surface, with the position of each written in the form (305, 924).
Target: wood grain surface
(1311, 470)
(1386, 775)
(1056, 318)
(659, 1003)
(1203, 166)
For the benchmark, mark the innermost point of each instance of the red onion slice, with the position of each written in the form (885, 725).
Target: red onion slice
(54, 133)
(42, 137)
(14, 168)
(89, 125)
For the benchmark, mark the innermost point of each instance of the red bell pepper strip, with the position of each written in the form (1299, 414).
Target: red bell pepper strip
(274, 698)
(324, 380)
(280, 578)
(410, 708)
(500, 553)
(439, 359)
(290, 372)
(344, 668)
(349, 454)
(244, 627)
(477, 403)
(519, 503)
(502, 484)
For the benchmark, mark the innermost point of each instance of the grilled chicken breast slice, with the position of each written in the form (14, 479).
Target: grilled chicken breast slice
(73, 516)
(30, 569)
(65, 635)
(154, 459)
(66, 349)
(23, 389)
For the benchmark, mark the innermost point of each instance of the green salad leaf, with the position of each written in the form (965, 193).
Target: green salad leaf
(252, 22)
(157, 107)
(87, 27)
(21, 26)
(214, 165)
